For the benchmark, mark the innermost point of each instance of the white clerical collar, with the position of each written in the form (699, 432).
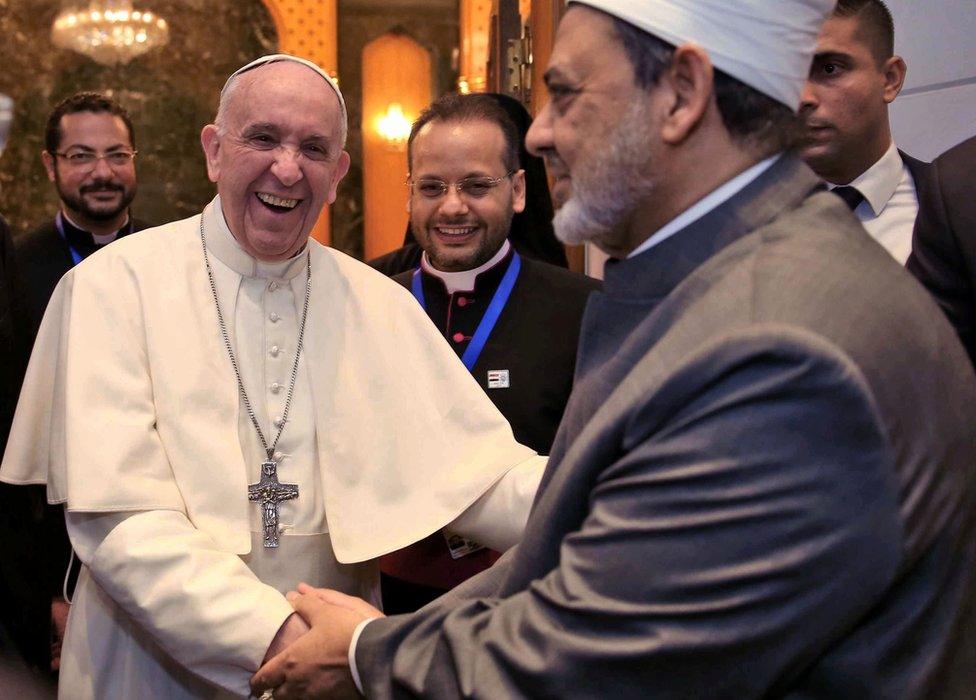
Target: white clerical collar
(99, 240)
(706, 204)
(878, 182)
(464, 281)
(223, 245)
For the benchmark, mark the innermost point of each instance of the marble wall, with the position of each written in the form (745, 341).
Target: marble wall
(170, 92)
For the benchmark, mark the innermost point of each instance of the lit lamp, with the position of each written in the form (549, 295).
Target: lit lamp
(109, 31)
(394, 127)
(6, 119)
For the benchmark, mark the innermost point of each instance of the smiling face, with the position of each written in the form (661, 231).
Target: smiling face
(597, 133)
(93, 196)
(279, 160)
(845, 102)
(462, 231)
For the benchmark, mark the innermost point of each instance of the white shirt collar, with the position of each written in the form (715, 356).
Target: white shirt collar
(706, 204)
(464, 280)
(99, 240)
(224, 246)
(878, 182)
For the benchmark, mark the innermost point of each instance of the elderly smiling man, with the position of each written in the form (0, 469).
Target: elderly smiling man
(227, 408)
(751, 494)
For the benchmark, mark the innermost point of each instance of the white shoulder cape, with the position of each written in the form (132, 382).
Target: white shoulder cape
(130, 402)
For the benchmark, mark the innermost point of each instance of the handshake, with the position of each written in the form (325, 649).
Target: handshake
(309, 657)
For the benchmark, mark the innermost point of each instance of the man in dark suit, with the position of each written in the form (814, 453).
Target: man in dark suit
(17, 634)
(741, 500)
(847, 136)
(513, 321)
(90, 157)
(944, 248)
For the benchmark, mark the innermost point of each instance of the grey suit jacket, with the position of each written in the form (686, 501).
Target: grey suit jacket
(763, 485)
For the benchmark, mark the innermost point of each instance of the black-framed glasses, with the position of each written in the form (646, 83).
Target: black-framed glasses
(474, 187)
(88, 159)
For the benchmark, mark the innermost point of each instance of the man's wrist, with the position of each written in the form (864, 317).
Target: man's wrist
(291, 629)
(353, 670)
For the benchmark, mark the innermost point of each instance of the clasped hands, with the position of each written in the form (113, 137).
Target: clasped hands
(314, 663)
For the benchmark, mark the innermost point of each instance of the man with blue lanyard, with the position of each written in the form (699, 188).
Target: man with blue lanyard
(90, 157)
(513, 321)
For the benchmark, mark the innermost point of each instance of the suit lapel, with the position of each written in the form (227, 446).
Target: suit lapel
(931, 211)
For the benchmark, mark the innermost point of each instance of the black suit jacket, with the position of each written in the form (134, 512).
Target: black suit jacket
(14, 342)
(35, 549)
(944, 243)
(534, 339)
(44, 257)
(19, 509)
(922, 173)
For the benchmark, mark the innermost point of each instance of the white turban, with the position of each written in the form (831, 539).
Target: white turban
(274, 58)
(767, 44)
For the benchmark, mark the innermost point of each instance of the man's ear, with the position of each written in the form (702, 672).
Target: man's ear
(49, 164)
(342, 167)
(210, 140)
(691, 81)
(894, 71)
(518, 191)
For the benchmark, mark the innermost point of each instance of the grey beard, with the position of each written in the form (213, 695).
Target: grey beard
(607, 192)
(574, 224)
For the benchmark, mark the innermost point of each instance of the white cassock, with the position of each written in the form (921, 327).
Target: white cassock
(131, 414)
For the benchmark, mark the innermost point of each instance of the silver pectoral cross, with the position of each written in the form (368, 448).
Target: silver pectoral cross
(270, 492)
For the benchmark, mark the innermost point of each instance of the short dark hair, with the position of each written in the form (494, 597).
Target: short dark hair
(747, 114)
(83, 102)
(453, 107)
(876, 20)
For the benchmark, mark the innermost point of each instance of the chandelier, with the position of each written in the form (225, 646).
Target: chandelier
(109, 31)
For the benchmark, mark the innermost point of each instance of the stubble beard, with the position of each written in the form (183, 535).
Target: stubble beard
(490, 243)
(607, 190)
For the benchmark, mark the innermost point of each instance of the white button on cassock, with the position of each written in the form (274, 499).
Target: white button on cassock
(275, 388)
(275, 351)
(274, 317)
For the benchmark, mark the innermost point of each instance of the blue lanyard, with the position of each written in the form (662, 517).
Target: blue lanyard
(488, 321)
(75, 255)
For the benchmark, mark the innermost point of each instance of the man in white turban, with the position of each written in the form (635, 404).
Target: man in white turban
(227, 408)
(763, 483)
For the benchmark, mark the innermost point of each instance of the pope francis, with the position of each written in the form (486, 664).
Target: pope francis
(227, 408)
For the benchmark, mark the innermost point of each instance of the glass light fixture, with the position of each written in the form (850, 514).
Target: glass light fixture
(6, 119)
(394, 127)
(109, 31)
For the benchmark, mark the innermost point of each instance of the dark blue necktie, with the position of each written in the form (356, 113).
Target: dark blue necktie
(851, 195)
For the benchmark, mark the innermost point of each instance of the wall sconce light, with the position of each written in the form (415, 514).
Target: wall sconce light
(394, 127)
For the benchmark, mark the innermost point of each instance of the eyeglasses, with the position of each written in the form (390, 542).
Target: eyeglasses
(86, 160)
(475, 187)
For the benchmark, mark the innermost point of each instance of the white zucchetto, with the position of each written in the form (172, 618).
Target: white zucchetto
(767, 44)
(277, 57)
